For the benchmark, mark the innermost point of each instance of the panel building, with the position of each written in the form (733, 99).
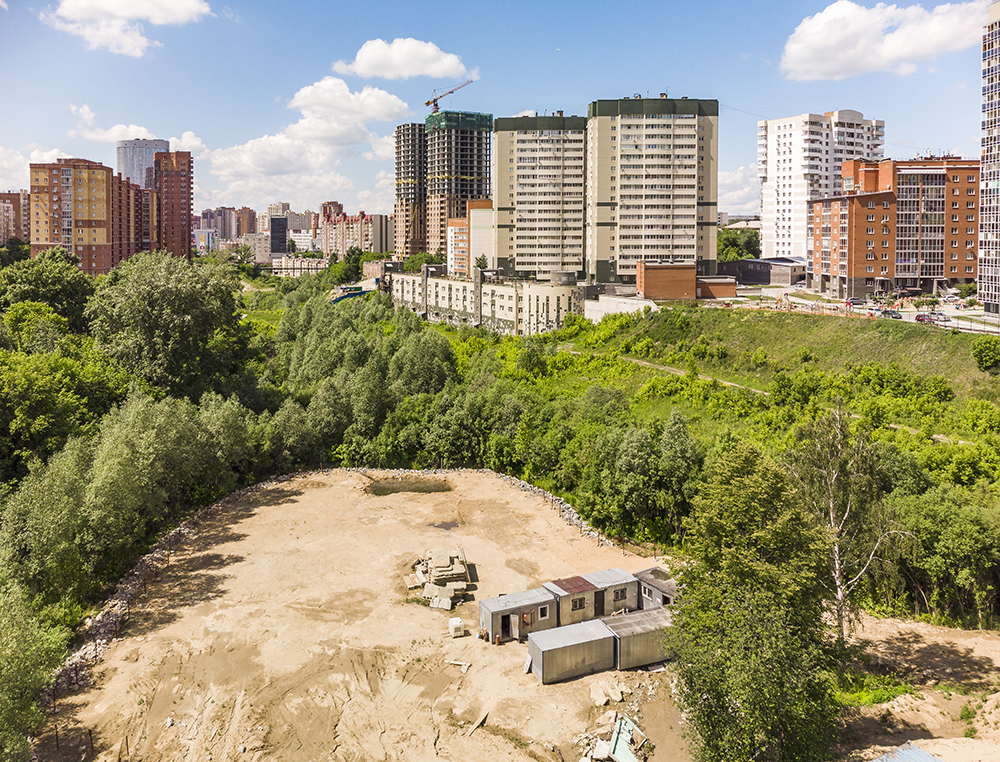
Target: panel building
(135, 159)
(798, 161)
(538, 172)
(20, 203)
(458, 169)
(651, 185)
(410, 211)
(174, 182)
(899, 227)
(989, 222)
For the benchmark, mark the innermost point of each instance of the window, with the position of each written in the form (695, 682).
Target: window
(954, 205)
(954, 178)
(885, 255)
(871, 231)
(885, 204)
(620, 594)
(870, 255)
(970, 204)
(954, 218)
(543, 612)
(647, 593)
(968, 269)
(871, 218)
(970, 191)
(954, 191)
(869, 269)
(954, 269)
(578, 604)
(871, 204)
(870, 244)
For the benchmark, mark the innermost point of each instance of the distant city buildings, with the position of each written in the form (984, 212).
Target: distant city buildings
(222, 220)
(246, 221)
(898, 227)
(368, 232)
(798, 161)
(7, 222)
(278, 228)
(989, 220)
(19, 202)
(136, 157)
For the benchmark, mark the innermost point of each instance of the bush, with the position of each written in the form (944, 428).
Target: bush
(986, 353)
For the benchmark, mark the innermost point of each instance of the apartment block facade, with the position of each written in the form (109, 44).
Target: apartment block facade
(246, 221)
(902, 227)
(538, 174)
(173, 174)
(651, 186)
(410, 210)
(368, 232)
(799, 161)
(458, 247)
(20, 203)
(989, 224)
(7, 226)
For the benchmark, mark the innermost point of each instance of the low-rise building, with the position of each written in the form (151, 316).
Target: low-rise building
(776, 271)
(293, 267)
(591, 596)
(680, 280)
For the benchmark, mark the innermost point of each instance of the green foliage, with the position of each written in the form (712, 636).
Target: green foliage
(965, 290)
(34, 326)
(481, 262)
(158, 315)
(967, 713)
(29, 652)
(857, 688)
(738, 244)
(51, 278)
(15, 250)
(414, 263)
(986, 353)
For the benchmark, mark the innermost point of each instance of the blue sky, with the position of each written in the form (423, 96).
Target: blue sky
(296, 101)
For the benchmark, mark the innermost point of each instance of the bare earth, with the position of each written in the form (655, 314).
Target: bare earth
(283, 628)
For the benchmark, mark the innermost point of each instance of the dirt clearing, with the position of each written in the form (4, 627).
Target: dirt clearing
(282, 630)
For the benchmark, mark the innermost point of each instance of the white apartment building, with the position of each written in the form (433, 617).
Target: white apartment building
(798, 161)
(538, 174)
(989, 178)
(651, 185)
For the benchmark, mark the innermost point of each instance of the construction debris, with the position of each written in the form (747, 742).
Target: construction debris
(443, 575)
(463, 664)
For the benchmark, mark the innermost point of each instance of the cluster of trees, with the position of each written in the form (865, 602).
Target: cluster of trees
(132, 400)
(738, 244)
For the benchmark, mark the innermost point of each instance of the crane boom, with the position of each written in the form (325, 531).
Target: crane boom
(433, 102)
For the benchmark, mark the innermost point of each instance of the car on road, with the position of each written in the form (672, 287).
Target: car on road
(923, 317)
(892, 314)
(940, 317)
(874, 312)
(855, 301)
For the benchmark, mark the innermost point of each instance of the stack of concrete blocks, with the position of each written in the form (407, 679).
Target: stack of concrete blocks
(444, 576)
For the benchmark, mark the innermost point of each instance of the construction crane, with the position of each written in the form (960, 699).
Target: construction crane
(433, 102)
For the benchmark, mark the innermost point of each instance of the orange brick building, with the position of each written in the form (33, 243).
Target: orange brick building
(662, 281)
(173, 179)
(899, 227)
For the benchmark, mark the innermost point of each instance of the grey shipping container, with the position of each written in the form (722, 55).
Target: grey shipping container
(572, 651)
(639, 637)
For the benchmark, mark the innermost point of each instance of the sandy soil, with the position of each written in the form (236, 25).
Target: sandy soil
(282, 631)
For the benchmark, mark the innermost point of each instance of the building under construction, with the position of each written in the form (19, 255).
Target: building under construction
(441, 165)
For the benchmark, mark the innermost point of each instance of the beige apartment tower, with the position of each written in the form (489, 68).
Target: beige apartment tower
(651, 185)
(538, 170)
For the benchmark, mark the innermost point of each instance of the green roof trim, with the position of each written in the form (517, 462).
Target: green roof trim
(534, 123)
(458, 120)
(635, 106)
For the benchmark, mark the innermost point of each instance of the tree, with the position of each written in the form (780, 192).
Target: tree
(243, 254)
(34, 326)
(680, 465)
(29, 652)
(986, 353)
(748, 629)
(481, 262)
(841, 483)
(738, 244)
(52, 279)
(414, 263)
(292, 247)
(15, 250)
(157, 315)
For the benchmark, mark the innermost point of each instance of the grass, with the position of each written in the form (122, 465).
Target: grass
(856, 688)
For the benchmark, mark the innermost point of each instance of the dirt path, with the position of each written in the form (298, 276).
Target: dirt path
(282, 628)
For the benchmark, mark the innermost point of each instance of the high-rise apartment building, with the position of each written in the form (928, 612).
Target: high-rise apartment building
(798, 161)
(410, 211)
(989, 212)
(135, 159)
(278, 227)
(246, 221)
(458, 169)
(905, 227)
(84, 207)
(7, 226)
(174, 182)
(368, 232)
(651, 185)
(538, 175)
(20, 203)
(222, 220)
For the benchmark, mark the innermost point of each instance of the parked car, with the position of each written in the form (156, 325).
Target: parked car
(874, 312)
(923, 317)
(951, 298)
(940, 317)
(855, 301)
(892, 314)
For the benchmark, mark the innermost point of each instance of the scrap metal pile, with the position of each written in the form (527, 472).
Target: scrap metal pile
(443, 575)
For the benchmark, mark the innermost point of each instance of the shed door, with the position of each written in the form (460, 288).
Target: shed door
(598, 603)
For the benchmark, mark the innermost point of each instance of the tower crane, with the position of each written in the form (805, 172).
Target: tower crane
(433, 102)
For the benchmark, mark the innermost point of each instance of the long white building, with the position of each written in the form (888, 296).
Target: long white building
(798, 161)
(989, 178)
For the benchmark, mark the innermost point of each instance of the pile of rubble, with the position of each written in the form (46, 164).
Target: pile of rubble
(615, 738)
(443, 575)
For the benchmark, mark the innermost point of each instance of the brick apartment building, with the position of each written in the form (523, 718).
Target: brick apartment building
(173, 174)
(20, 203)
(901, 227)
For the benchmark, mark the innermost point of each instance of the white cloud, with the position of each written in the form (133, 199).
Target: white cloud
(403, 58)
(739, 191)
(526, 112)
(116, 24)
(88, 131)
(381, 198)
(188, 141)
(40, 156)
(334, 115)
(3, 5)
(846, 39)
(13, 170)
(383, 149)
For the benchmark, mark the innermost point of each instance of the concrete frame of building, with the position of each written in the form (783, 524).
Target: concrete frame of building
(410, 211)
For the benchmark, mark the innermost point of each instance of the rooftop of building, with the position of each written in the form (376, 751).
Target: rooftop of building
(658, 577)
(639, 622)
(510, 601)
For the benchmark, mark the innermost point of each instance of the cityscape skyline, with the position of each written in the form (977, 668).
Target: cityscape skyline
(313, 118)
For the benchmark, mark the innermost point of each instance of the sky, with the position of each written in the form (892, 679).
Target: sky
(297, 101)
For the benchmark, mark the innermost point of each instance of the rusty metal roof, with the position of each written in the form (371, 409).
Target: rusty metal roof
(572, 585)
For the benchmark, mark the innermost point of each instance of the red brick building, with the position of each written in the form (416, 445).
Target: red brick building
(899, 227)
(173, 180)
